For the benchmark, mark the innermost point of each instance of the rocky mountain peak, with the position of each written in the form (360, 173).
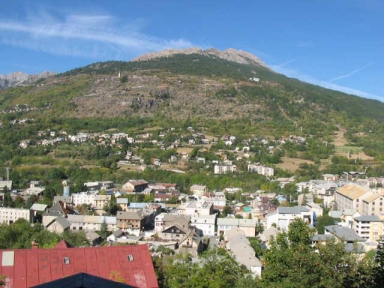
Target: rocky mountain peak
(230, 54)
(21, 78)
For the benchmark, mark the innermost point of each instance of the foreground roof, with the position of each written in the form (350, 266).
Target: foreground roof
(31, 267)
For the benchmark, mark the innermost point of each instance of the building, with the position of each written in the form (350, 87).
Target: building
(163, 221)
(248, 226)
(224, 168)
(131, 221)
(91, 223)
(132, 264)
(206, 223)
(101, 200)
(369, 227)
(11, 215)
(283, 216)
(262, 170)
(240, 248)
(135, 185)
(372, 203)
(197, 208)
(81, 198)
(350, 196)
(343, 234)
(198, 190)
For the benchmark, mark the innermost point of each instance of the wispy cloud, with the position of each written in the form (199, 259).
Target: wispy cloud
(284, 64)
(350, 73)
(91, 36)
(327, 84)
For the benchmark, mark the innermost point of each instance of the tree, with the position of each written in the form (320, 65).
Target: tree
(323, 221)
(292, 262)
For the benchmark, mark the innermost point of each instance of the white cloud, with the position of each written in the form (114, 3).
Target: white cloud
(91, 36)
(327, 84)
(350, 73)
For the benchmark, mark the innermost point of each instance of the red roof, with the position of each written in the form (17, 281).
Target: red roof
(30, 267)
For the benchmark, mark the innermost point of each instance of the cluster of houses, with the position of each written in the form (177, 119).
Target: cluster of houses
(355, 205)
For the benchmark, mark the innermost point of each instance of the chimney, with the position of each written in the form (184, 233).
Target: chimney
(35, 245)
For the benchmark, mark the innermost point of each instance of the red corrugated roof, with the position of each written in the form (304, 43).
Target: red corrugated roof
(36, 266)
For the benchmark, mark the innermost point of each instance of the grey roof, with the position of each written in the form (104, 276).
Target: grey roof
(322, 237)
(344, 233)
(335, 214)
(354, 247)
(368, 218)
(292, 210)
(117, 233)
(64, 223)
(122, 200)
(39, 207)
(91, 235)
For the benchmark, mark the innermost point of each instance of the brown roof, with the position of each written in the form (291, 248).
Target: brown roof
(352, 191)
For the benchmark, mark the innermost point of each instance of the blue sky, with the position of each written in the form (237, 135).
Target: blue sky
(332, 43)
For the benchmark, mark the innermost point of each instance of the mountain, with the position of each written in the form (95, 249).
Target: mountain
(222, 92)
(209, 84)
(230, 54)
(21, 78)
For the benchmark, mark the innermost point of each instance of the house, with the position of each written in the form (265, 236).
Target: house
(315, 208)
(131, 221)
(58, 225)
(191, 242)
(248, 226)
(206, 223)
(5, 184)
(58, 209)
(283, 216)
(198, 190)
(343, 234)
(368, 227)
(123, 203)
(197, 208)
(10, 215)
(93, 238)
(372, 203)
(91, 223)
(135, 185)
(242, 251)
(132, 264)
(101, 200)
(115, 235)
(163, 221)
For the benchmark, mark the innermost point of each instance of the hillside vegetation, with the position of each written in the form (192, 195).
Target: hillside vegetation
(207, 92)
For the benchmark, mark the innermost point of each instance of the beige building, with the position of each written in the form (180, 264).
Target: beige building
(101, 200)
(372, 204)
(368, 227)
(350, 197)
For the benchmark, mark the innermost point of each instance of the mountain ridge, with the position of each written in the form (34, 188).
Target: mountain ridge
(230, 54)
(20, 78)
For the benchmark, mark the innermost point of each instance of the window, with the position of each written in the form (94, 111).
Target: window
(66, 260)
(130, 257)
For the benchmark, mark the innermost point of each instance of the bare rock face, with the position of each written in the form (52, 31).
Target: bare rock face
(21, 78)
(230, 54)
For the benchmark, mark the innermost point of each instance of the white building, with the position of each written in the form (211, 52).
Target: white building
(10, 215)
(83, 198)
(205, 223)
(91, 223)
(197, 208)
(262, 170)
(248, 226)
(224, 168)
(283, 216)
